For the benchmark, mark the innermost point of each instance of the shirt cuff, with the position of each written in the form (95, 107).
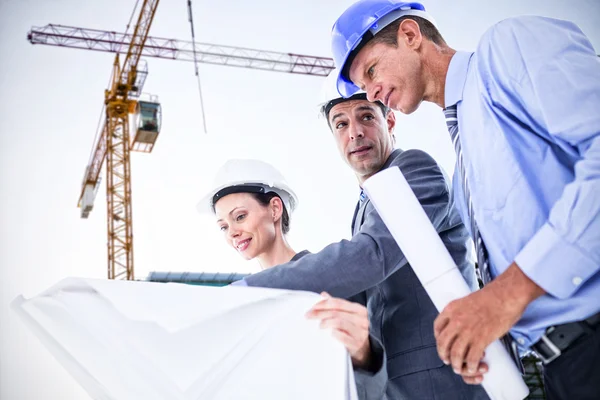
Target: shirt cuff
(241, 282)
(371, 385)
(558, 267)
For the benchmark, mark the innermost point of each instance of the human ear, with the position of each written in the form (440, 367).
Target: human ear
(276, 208)
(409, 33)
(391, 121)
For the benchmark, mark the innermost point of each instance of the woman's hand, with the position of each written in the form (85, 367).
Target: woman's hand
(349, 323)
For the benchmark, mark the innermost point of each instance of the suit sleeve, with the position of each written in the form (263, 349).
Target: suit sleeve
(372, 385)
(351, 266)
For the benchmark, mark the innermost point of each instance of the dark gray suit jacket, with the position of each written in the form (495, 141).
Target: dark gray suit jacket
(368, 269)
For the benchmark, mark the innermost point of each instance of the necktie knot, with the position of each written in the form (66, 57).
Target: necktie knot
(450, 111)
(363, 195)
(451, 121)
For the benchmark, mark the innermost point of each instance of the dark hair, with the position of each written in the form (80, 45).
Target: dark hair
(326, 108)
(389, 34)
(265, 199)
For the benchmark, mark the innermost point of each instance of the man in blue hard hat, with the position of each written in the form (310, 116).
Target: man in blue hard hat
(523, 113)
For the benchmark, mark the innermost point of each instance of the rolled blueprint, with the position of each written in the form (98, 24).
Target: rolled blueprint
(126, 340)
(420, 243)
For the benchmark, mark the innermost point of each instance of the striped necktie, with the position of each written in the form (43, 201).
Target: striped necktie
(483, 270)
(363, 196)
(483, 266)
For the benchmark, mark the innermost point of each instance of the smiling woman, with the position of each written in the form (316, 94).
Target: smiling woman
(252, 204)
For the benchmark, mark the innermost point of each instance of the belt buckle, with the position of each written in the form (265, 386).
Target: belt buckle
(555, 350)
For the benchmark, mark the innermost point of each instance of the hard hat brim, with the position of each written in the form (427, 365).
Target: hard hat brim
(207, 203)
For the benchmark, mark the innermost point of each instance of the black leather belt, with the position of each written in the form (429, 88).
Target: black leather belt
(558, 338)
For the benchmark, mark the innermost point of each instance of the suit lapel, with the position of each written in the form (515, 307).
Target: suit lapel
(359, 216)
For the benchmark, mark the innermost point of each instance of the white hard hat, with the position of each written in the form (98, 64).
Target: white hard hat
(329, 88)
(253, 176)
(330, 95)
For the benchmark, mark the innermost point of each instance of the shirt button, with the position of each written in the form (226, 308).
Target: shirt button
(577, 281)
(521, 340)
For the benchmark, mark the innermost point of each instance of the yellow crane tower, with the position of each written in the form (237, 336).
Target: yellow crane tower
(115, 143)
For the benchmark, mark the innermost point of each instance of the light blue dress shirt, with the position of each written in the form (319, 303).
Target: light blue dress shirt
(528, 105)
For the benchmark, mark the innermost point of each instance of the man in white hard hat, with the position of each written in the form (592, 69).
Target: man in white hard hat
(523, 113)
(370, 268)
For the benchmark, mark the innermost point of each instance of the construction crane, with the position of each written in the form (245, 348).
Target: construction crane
(113, 42)
(114, 145)
(123, 98)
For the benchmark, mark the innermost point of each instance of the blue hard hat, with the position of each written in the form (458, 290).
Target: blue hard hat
(357, 25)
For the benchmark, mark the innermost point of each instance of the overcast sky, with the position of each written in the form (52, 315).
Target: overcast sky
(51, 99)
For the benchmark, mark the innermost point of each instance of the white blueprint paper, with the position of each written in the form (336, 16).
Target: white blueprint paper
(144, 340)
(420, 243)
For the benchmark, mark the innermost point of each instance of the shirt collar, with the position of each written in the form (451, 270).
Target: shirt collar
(456, 77)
